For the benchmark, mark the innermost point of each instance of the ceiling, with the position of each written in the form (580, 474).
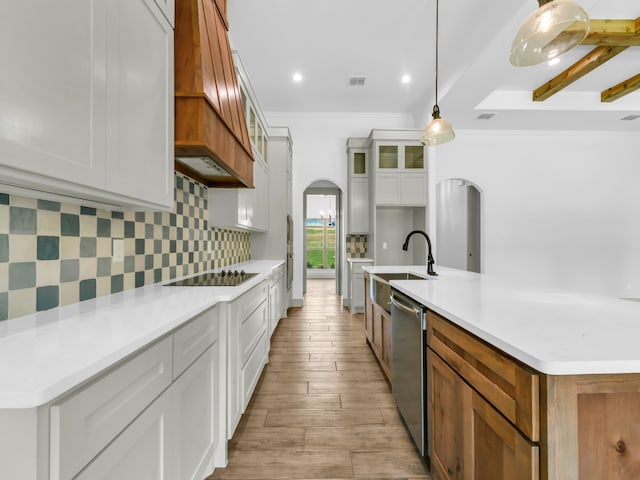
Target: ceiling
(329, 41)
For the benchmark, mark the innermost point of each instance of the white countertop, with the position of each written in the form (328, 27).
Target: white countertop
(43, 355)
(555, 332)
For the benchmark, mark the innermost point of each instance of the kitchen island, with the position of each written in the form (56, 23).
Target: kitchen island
(527, 382)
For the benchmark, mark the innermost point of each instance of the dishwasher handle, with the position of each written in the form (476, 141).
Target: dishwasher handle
(405, 308)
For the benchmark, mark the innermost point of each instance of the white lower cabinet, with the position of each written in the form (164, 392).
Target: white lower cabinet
(247, 350)
(155, 416)
(144, 451)
(276, 298)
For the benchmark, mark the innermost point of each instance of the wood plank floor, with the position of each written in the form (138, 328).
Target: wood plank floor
(322, 408)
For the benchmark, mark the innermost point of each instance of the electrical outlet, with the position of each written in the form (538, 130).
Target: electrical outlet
(384, 245)
(117, 254)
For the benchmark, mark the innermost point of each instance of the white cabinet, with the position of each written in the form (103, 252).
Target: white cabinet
(356, 291)
(276, 298)
(247, 350)
(91, 123)
(243, 208)
(157, 415)
(144, 451)
(358, 197)
(400, 172)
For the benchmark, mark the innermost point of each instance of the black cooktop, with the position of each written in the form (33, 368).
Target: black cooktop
(223, 278)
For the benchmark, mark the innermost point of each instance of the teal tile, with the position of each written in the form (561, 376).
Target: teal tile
(88, 211)
(117, 283)
(69, 225)
(87, 289)
(4, 248)
(139, 279)
(104, 266)
(22, 220)
(88, 247)
(119, 215)
(140, 217)
(140, 246)
(4, 199)
(4, 305)
(104, 227)
(47, 205)
(148, 230)
(48, 248)
(47, 297)
(69, 270)
(129, 263)
(129, 229)
(148, 262)
(22, 275)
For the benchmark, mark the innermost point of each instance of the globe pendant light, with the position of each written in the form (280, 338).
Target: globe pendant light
(553, 29)
(439, 130)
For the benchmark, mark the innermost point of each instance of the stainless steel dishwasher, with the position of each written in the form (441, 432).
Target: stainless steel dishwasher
(408, 383)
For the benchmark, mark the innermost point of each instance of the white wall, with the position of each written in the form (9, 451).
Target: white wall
(319, 153)
(560, 208)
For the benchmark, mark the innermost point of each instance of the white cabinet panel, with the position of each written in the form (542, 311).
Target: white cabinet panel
(52, 120)
(251, 330)
(196, 407)
(388, 189)
(140, 102)
(87, 109)
(253, 368)
(83, 423)
(413, 189)
(359, 205)
(144, 451)
(193, 339)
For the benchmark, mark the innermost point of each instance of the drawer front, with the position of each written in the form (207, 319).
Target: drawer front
(510, 387)
(83, 423)
(249, 301)
(252, 370)
(194, 338)
(251, 329)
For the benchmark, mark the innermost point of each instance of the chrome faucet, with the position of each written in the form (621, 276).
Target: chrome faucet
(430, 260)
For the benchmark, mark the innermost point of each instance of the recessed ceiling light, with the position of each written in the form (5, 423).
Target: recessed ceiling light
(553, 61)
(406, 78)
(297, 77)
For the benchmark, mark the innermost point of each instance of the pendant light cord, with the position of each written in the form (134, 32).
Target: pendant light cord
(437, 35)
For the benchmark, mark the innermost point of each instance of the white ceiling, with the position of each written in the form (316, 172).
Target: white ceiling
(331, 40)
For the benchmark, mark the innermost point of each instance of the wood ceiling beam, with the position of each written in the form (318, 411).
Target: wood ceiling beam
(614, 32)
(586, 64)
(620, 90)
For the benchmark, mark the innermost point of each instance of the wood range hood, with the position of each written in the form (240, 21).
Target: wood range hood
(211, 138)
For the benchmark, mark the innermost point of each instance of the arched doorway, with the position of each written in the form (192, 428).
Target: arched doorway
(459, 225)
(322, 238)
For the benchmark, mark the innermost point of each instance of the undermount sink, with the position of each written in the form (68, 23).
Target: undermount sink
(380, 289)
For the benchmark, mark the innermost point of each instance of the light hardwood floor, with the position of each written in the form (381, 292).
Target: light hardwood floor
(322, 409)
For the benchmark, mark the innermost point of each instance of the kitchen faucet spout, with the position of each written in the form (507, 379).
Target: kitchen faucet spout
(430, 260)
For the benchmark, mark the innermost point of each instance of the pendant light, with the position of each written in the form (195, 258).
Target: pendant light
(439, 130)
(553, 29)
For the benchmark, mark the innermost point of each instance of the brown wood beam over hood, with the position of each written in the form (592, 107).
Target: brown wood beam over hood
(209, 115)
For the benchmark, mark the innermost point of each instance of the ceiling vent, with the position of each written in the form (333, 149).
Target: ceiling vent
(631, 117)
(485, 116)
(357, 80)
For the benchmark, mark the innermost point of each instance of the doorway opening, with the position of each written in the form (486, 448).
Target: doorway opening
(459, 225)
(322, 244)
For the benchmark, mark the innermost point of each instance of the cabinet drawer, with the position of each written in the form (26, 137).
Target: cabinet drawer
(249, 301)
(83, 423)
(252, 370)
(194, 338)
(251, 330)
(510, 387)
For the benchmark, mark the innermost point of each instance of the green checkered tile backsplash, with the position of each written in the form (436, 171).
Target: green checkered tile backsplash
(54, 254)
(356, 246)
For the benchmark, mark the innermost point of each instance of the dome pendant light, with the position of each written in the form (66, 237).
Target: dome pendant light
(553, 29)
(438, 131)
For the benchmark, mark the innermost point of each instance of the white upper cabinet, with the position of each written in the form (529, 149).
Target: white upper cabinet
(401, 174)
(86, 101)
(358, 196)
